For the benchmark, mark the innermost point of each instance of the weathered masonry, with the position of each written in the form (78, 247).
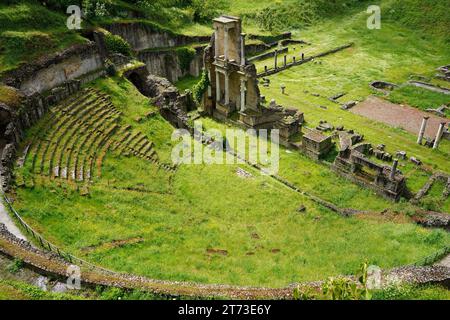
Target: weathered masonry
(234, 87)
(353, 163)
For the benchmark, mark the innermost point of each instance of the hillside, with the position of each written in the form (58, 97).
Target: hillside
(32, 28)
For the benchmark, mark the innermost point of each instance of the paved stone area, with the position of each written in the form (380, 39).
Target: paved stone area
(395, 115)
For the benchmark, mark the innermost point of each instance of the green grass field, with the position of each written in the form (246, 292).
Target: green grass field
(205, 223)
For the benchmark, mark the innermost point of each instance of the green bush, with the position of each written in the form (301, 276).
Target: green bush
(96, 8)
(117, 44)
(110, 68)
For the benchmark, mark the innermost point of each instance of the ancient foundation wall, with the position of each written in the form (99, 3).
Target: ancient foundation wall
(142, 36)
(55, 70)
(166, 63)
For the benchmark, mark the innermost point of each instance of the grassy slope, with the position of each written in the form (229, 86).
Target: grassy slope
(29, 30)
(18, 290)
(169, 227)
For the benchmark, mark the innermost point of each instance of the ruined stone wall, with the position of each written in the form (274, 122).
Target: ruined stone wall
(142, 36)
(234, 47)
(165, 63)
(55, 70)
(253, 93)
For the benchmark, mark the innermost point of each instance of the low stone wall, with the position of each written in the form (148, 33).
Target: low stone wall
(268, 54)
(299, 62)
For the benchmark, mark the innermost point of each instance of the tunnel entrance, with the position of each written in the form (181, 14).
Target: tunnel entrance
(138, 82)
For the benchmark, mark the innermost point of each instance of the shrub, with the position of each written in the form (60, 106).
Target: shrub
(96, 8)
(110, 68)
(200, 87)
(117, 44)
(9, 96)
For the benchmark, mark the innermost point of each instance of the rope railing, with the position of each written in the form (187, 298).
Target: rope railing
(48, 246)
(432, 258)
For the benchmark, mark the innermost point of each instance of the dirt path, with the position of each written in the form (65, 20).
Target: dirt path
(395, 115)
(8, 222)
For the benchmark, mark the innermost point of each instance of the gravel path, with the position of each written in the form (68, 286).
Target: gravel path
(8, 222)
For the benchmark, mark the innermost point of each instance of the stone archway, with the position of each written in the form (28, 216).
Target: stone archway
(138, 81)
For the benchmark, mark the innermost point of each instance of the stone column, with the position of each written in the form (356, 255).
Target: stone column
(242, 49)
(285, 60)
(276, 57)
(227, 89)
(217, 86)
(216, 43)
(225, 50)
(243, 90)
(393, 169)
(209, 85)
(439, 135)
(422, 129)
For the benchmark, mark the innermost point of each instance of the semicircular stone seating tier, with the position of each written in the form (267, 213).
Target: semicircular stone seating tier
(75, 136)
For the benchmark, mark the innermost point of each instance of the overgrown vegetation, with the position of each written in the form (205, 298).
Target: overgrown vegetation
(9, 96)
(117, 44)
(431, 16)
(185, 56)
(200, 87)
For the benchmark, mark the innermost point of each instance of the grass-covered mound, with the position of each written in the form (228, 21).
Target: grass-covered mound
(28, 30)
